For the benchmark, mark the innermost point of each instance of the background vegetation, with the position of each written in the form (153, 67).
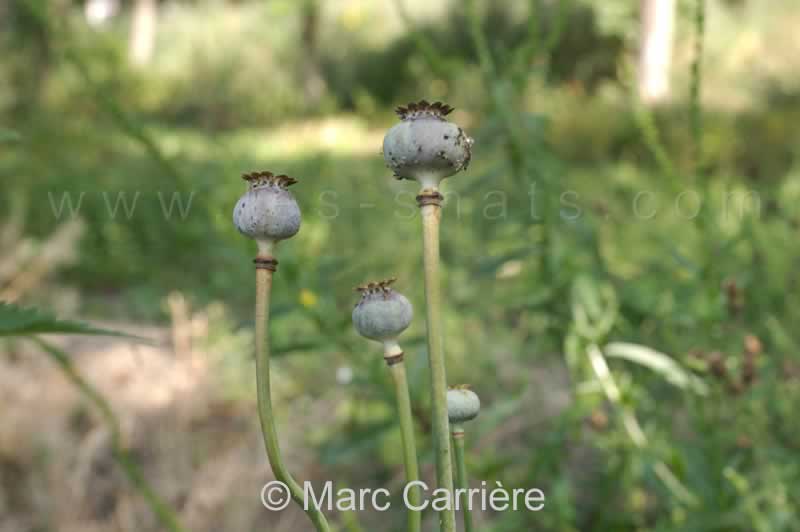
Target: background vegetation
(592, 230)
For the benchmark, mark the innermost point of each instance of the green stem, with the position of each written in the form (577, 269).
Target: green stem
(704, 220)
(165, 515)
(431, 216)
(648, 128)
(462, 481)
(695, 88)
(409, 445)
(265, 412)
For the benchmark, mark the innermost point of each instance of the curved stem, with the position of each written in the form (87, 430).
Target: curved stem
(265, 412)
(409, 445)
(462, 482)
(431, 215)
(165, 515)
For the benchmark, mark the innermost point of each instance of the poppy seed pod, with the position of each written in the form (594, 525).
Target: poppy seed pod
(382, 314)
(424, 146)
(462, 404)
(267, 212)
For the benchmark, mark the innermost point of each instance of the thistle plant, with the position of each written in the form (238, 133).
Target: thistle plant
(463, 405)
(382, 314)
(268, 213)
(426, 148)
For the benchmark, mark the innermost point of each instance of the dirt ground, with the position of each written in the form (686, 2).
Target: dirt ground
(201, 453)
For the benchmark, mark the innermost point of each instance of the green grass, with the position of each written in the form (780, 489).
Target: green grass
(507, 309)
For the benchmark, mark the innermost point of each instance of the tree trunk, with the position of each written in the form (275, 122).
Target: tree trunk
(143, 31)
(313, 81)
(655, 56)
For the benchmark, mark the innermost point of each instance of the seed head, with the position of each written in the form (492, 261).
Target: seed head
(424, 146)
(462, 404)
(382, 313)
(267, 212)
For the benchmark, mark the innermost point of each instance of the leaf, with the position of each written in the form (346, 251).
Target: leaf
(594, 307)
(25, 321)
(658, 362)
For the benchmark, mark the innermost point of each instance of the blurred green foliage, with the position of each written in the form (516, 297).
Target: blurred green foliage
(574, 228)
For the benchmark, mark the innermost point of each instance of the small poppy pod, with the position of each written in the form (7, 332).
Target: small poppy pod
(382, 313)
(267, 212)
(424, 146)
(462, 404)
